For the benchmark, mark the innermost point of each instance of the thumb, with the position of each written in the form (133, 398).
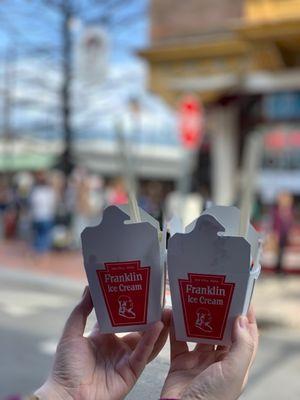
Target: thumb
(243, 346)
(76, 322)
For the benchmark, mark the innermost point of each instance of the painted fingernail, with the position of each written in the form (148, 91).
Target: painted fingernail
(243, 322)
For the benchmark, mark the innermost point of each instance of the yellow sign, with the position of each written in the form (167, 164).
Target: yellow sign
(271, 10)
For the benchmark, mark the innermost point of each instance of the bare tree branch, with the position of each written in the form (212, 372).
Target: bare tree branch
(44, 36)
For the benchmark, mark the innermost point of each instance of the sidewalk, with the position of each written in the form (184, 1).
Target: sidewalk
(39, 292)
(277, 303)
(17, 255)
(276, 299)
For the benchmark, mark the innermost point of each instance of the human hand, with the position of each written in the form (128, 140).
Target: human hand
(209, 373)
(100, 366)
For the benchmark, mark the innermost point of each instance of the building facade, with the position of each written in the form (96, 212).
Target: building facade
(237, 56)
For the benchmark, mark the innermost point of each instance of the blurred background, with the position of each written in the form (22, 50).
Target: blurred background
(186, 104)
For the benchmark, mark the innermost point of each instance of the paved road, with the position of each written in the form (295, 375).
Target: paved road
(32, 313)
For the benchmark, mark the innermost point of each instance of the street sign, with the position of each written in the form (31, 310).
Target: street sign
(191, 122)
(281, 106)
(92, 55)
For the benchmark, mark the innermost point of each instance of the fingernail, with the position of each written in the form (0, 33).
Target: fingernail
(243, 322)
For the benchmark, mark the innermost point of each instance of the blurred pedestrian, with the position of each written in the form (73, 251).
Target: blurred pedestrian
(152, 200)
(23, 187)
(8, 213)
(97, 199)
(116, 192)
(88, 202)
(62, 225)
(283, 217)
(43, 204)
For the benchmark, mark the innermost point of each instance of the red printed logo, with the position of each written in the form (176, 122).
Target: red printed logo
(125, 287)
(205, 301)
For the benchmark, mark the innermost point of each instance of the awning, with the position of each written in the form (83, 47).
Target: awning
(256, 82)
(10, 162)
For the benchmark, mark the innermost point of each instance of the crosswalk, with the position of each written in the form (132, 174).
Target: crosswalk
(19, 302)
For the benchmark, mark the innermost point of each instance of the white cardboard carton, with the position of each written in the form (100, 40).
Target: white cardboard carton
(212, 272)
(125, 267)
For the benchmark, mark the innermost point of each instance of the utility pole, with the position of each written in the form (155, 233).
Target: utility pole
(67, 48)
(9, 80)
(7, 101)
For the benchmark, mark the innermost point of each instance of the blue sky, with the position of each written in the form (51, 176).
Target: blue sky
(25, 24)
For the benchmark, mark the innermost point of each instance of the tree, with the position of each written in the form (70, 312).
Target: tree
(43, 34)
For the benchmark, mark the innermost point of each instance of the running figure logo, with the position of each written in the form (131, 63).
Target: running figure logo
(203, 320)
(126, 309)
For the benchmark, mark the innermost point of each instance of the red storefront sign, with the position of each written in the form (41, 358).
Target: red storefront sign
(282, 139)
(125, 288)
(206, 302)
(191, 122)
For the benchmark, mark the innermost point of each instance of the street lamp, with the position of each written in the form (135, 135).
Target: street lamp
(127, 162)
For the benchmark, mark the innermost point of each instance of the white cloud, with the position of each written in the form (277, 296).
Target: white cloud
(96, 109)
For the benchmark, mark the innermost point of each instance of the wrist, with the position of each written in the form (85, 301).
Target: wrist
(52, 391)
